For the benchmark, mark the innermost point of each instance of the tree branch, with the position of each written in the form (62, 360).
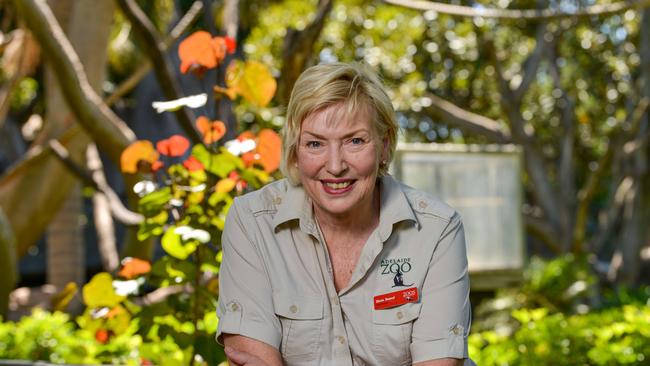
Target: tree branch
(531, 64)
(110, 132)
(541, 229)
(141, 71)
(566, 168)
(97, 182)
(298, 49)
(535, 164)
(155, 49)
(525, 14)
(104, 225)
(616, 138)
(466, 120)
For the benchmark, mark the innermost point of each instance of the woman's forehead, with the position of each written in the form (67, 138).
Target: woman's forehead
(339, 116)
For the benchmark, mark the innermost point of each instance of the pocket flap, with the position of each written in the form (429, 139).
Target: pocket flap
(397, 315)
(298, 306)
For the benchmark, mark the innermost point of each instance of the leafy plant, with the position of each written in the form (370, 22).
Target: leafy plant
(554, 319)
(165, 312)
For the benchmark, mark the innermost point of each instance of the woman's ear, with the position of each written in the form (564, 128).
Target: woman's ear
(385, 150)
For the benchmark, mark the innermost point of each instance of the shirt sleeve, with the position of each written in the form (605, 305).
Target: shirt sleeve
(245, 296)
(443, 325)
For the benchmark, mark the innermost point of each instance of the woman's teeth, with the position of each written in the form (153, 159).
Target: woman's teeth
(338, 185)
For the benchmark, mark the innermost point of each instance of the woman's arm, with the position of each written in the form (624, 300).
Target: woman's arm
(441, 362)
(440, 332)
(250, 352)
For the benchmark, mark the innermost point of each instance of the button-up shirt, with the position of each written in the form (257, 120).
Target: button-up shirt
(277, 285)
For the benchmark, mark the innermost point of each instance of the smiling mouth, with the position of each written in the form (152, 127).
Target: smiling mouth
(338, 187)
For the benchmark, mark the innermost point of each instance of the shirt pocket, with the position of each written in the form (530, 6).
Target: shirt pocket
(392, 333)
(301, 317)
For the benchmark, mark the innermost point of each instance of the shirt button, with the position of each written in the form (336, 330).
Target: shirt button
(457, 329)
(423, 204)
(335, 301)
(277, 200)
(293, 309)
(399, 315)
(234, 307)
(341, 339)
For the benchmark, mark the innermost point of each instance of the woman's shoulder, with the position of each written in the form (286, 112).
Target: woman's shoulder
(425, 204)
(264, 199)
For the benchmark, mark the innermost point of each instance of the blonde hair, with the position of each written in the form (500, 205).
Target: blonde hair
(355, 86)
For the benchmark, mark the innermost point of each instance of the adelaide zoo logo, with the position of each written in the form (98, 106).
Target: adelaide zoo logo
(396, 267)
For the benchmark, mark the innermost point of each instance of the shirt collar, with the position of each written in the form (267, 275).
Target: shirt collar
(296, 205)
(394, 208)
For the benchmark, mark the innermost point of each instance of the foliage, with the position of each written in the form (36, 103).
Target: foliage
(52, 337)
(556, 319)
(165, 312)
(616, 336)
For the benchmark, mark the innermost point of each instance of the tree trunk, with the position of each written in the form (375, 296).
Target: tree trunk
(88, 24)
(636, 231)
(8, 265)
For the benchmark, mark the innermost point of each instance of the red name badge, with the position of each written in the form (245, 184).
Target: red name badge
(396, 298)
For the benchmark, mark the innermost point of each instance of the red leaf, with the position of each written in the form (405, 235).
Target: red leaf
(174, 146)
(231, 44)
(102, 336)
(192, 164)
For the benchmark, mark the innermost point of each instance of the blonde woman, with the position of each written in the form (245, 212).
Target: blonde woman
(340, 264)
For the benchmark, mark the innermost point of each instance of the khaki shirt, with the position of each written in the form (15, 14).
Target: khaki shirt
(276, 282)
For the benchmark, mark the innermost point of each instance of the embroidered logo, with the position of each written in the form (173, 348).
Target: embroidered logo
(396, 267)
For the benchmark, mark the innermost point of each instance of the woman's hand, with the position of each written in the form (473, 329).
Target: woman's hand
(241, 358)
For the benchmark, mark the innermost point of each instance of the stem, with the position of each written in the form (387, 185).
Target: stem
(196, 306)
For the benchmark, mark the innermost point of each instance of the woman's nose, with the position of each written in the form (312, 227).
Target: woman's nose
(336, 162)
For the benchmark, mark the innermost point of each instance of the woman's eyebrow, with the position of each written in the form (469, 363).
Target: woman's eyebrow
(355, 132)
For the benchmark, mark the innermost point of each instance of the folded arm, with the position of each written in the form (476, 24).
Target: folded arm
(246, 351)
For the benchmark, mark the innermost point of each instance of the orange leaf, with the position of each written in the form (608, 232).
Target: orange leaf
(249, 158)
(252, 80)
(141, 150)
(197, 53)
(134, 267)
(225, 185)
(246, 135)
(211, 131)
(269, 148)
(219, 47)
(174, 146)
(156, 165)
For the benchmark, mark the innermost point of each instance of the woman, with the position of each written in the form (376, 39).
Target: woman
(339, 264)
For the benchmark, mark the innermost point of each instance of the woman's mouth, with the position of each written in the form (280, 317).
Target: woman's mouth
(337, 187)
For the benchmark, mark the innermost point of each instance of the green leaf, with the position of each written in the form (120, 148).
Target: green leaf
(154, 202)
(174, 246)
(220, 164)
(99, 292)
(152, 226)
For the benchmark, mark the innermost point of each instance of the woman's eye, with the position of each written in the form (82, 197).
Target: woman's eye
(313, 144)
(357, 141)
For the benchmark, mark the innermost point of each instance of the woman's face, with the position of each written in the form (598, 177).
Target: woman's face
(337, 159)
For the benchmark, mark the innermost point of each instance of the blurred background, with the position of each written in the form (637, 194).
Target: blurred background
(530, 117)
